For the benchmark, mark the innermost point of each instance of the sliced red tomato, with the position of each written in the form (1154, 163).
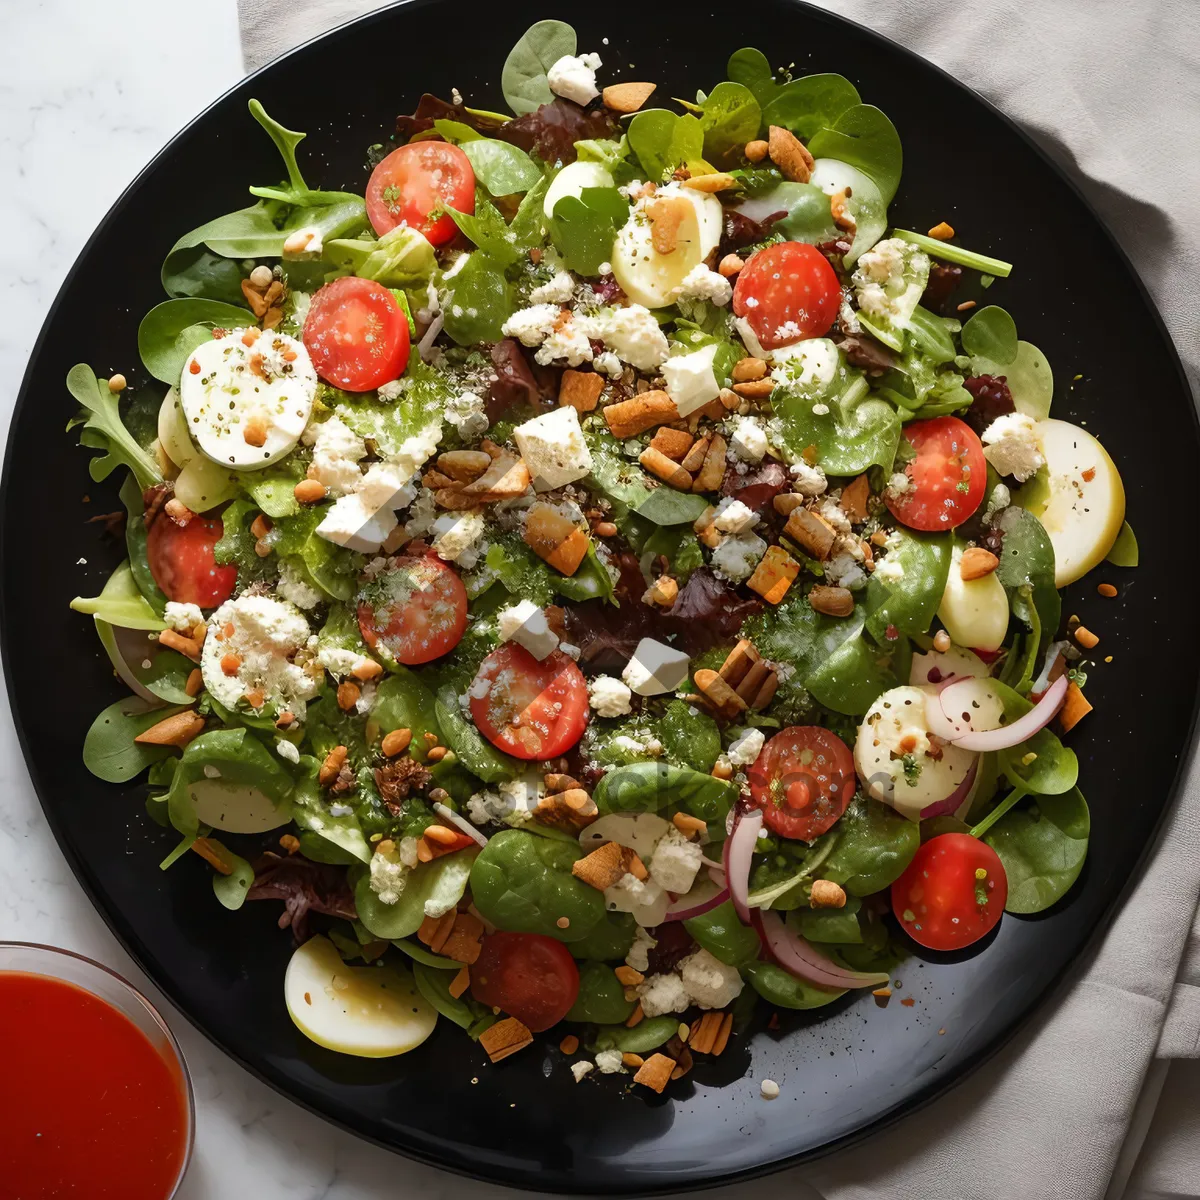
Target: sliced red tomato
(527, 708)
(416, 609)
(952, 893)
(417, 180)
(181, 561)
(527, 975)
(803, 780)
(356, 334)
(948, 475)
(787, 292)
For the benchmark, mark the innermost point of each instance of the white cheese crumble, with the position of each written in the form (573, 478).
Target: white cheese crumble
(737, 556)
(574, 77)
(691, 380)
(749, 440)
(388, 876)
(609, 697)
(709, 982)
(675, 862)
(609, 1062)
(295, 588)
(745, 747)
(1011, 445)
(560, 290)
(456, 537)
(182, 618)
(525, 623)
(703, 283)
(630, 332)
(733, 516)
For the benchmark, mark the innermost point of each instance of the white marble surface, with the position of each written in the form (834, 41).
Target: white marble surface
(88, 94)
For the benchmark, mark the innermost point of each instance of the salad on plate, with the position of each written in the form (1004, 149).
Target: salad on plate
(603, 577)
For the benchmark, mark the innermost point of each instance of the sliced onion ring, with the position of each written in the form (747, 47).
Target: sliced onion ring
(798, 958)
(1023, 729)
(705, 894)
(448, 814)
(738, 856)
(939, 808)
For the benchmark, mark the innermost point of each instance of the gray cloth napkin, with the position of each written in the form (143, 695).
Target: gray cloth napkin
(1112, 91)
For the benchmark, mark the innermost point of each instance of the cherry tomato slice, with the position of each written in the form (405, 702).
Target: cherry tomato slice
(528, 975)
(948, 476)
(417, 180)
(181, 561)
(787, 292)
(527, 708)
(416, 609)
(356, 334)
(803, 780)
(952, 893)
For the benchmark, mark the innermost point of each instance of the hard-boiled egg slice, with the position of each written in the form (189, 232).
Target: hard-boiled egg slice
(974, 611)
(235, 807)
(1078, 496)
(247, 397)
(571, 181)
(650, 278)
(370, 1012)
(892, 754)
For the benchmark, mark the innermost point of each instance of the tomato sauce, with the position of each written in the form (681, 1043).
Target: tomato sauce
(89, 1108)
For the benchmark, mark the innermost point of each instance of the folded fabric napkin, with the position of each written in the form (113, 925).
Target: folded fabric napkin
(1113, 93)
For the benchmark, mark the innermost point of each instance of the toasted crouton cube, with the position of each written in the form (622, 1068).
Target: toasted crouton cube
(555, 538)
(774, 575)
(655, 1072)
(812, 532)
(504, 1038)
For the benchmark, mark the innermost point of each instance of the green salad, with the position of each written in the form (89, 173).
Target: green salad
(601, 573)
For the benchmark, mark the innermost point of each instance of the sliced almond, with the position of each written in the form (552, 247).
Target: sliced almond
(790, 154)
(626, 97)
(977, 562)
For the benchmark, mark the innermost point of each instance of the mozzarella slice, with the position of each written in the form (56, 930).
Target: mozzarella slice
(974, 611)
(892, 754)
(1078, 497)
(571, 181)
(370, 1012)
(247, 404)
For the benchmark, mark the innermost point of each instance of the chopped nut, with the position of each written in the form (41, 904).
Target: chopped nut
(628, 418)
(774, 574)
(977, 562)
(395, 742)
(436, 753)
(655, 1073)
(176, 641)
(697, 452)
(738, 662)
(832, 601)
(629, 977)
(230, 664)
(332, 765)
(172, 731)
(839, 210)
(635, 1017)
(462, 981)
(756, 150)
(504, 1038)
(255, 430)
(580, 390)
(348, 695)
(309, 491)
(570, 809)
(854, 499)
(755, 389)
(668, 471)
(463, 466)
(626, 97)
(811, 532)
(178, 511)
(766, 693)
(719, 694)
(463, 943)
(605, 529)
(689, 826)
(1107, 590)
(631, 1060)
(704, 1032)
(1086, 638)
(714, 181)
(662, 592)
(506, 479)
(667, 214)
(942, 230)
(786, 503)
(712, 473)
(746, 370)
(674, 443)
(195, 683)
(722, 1038)
(753, 680)
(790, 154)
(260, 526)
(366, 670)
(826, 894)
(1075, 707)
(555, 538)
(434, 931)
(730, 265)
(605, 867)
(941, 641)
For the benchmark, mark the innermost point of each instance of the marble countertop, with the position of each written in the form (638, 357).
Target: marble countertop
(91, 94)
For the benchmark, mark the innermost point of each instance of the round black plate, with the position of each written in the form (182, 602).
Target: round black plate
(844, 1071)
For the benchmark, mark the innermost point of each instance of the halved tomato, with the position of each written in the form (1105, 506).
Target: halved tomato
(948, 475)
(787, 292)
(528, 975)
(415, 609)
(803, 780)
(527, 708)
(356, 335)
(417, 180)
(181, 561)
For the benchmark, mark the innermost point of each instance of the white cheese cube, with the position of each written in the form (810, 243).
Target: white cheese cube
(691, 381)
(749, 441)
(656, 668)
(526, 625)
(745, 748)
(553, 448)
(1011, 445)
(351, 524)
(738, 555)
(734, 517)
(709, 982)
(675, 861)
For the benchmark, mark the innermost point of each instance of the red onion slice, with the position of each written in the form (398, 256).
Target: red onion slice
(448, 814)
(706, 893)
(1023, 729)
(798, 958)
(738, 855)
(939, 808)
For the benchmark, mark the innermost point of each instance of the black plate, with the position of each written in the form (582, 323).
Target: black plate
(844, 1071)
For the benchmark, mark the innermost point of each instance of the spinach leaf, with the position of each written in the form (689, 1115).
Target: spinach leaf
(135, 545)
(311, 813)
(621, 479)
(721, 933)
(478, 756)
(835, 926)
(1027, 560)
(231, 889)
(434, 985)
(402, 701)
(529, 224)
(523, 883)
(874, 845)
(523, 80)
(110, 752)
(858, 431)
(486, 228)
(196, 271)
(519, 570)
(666, 506)
(401, 258)
(477, 302)
(431, 889)
(1043, 848)
(854, 676)
(911, 602)
(811, 103)
(651, 786)
(583, 227)
(422, 403)
(750, 68)
(501, 167)
(607, 940)
(689, 740)
(418, 953)
(1029, 377)
(1052, 770)
(601, 998)
(863, 137)
(808, 216)
(170, 331)
(236, 545)
(608, 153)
(991, 333)
(663, 141)
(645, 1036)
(1124, 552)
(730, 117)
(103, 429)
(121, 603)
(679, 545)
(778, 987)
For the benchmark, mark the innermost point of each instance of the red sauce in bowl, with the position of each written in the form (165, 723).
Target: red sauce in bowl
(89, 1106)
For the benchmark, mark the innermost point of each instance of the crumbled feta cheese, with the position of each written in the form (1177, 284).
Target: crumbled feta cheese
(656, 668)
(421, 515)
(733, 516)
(607, 363)
(525, 623)
(182, 618)
(745, 748)
(609, 697)
(388, 876)
(1011, 445)
(639, 953)
(574, 77)
(703, 283)
(465, 412)
(532, 326)
(709, 982)
(749, 441)
(832, 512)
(691, 381)
(337, 450)
(675, 862)
(632, 333)
(889, 569)
(288, 750)
(456, 537)
(609, 1062)
(295, 588)
(582, 1069)
(351, 524)
(999, 500)
(807, 367)
(639, 897)
(899, 484)
(738, 555)
(553, 448)
(569, 650)
(889, 280)
(769, 1089)
(663, 994)
(568, 341)
(560, 290)
(808, 481)
(340, 662)
(842, 570)
(385, 485)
